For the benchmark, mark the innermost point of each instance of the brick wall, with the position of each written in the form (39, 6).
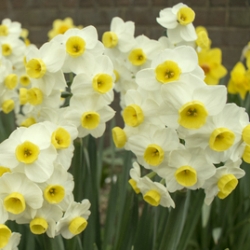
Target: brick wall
(228, 21)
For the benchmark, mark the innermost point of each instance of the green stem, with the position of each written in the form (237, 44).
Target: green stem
(176, 221)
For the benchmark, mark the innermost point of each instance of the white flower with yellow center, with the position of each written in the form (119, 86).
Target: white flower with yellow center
(74, 220)
(21, 196)
(241, 149)
(89, 115)
(44, 220)
(219, 135)
(224, 181)
(9, 28)
(58, 188)
(9, 101)
(189, 104)
(120, 136)
(178, 21)
(98, 78)
(29, 150)
(80, 45)
(152, 147)
(35, 99)
(62, 137)
(155, 193)
(44, 66)
(187, 169)
(12, 48)
(135, 174)
(13, 242)
(171, 65)
(120, 37)
(142, 53)
(140, 110)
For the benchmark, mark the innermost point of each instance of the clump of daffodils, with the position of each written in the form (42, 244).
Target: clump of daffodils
(176, 119)
(35, 185)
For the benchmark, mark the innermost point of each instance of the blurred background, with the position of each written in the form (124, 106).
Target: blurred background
(227, 21)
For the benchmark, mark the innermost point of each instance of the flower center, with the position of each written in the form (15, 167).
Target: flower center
(102, 83)
(28, 122)
(4, 170)
(27, 152)
(119, 137)
(77, 225)
(90, 120)
(186, 176)
(38, 226)
(54, 194)
(133, 184)
(35, 68)
(153, 197)
(154, 155)
(221, 139)
(8, 106)
(192, 115)
(15, 203)
(34, 96)
(226, 185)
(133, 115)
(185, 15)
(63, 28)
(246, 134)
(75, 46)
(60, 138)
(5, 234)
(10, 81)
(24, 80)
(167, 71)
(4, 30)
(205, 68)
(137, 57)
(6, 49)
(109, 39)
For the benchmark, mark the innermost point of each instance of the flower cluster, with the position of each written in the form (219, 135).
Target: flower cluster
(181, 130)
(35, 185)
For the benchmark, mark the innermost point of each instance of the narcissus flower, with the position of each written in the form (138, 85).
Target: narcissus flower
(224, 181)
(120, 36)
(239, 82)
(98, 79)
(21, 196)
(210, 61)
(188, 169)
(189, 104)
(29, 150)
(9, 28)
(140, 110)
(179, 23)
(155, 193)
(218, 136)
(79, 45)
(74, 221)
(44, 220)
(13, 242)
(172, 65)
(135, 174)
(60, 27)
(203, 42)
(142, 53)
(58, 187)
(89, 115)
(152, 147)
(44, 66)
